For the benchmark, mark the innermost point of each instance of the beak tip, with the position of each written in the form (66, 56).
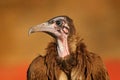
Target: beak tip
(37, 28)
(30, 31)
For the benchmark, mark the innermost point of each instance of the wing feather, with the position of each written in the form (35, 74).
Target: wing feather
(37, 69)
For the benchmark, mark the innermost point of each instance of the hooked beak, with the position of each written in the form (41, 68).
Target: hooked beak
(45, 27)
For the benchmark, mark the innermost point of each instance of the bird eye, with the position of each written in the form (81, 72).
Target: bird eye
(59, 23)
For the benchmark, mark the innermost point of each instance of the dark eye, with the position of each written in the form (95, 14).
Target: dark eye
(59, 23)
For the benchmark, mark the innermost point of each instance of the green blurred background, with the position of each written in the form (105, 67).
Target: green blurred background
(97, 21)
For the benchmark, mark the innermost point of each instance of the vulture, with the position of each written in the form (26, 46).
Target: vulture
(66, 57)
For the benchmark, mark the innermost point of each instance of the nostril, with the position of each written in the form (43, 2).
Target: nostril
(43, 24)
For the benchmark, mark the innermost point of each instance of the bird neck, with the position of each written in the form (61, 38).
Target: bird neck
(62, 47)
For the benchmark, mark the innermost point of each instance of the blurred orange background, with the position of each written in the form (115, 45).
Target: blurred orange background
(97, 21)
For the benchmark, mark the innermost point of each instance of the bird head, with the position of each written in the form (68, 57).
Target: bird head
(58, 27)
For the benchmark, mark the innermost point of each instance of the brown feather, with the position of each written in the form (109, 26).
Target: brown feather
(80, 65)
(37, 69)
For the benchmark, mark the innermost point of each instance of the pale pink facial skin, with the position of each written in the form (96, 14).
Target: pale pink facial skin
(60, 32)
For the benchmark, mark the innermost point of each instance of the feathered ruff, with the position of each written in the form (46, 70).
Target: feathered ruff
(79, 65)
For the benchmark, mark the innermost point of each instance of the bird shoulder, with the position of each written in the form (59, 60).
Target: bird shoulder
(37, 69)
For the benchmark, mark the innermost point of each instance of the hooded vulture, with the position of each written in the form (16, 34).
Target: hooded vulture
(66, 57)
